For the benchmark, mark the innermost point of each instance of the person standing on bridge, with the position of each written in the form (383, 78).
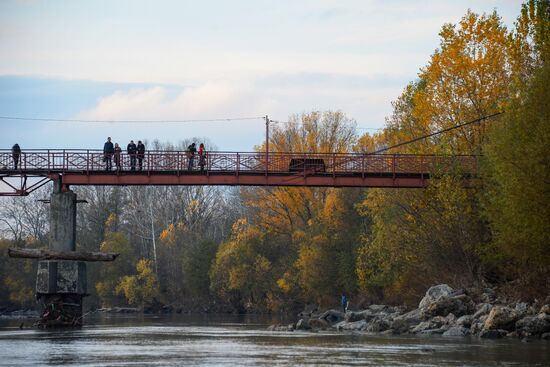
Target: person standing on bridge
(15, 154)
(108, 151)
(118, 152)
(140, 154)
(191, 150)
(131, 149)
(202, 157)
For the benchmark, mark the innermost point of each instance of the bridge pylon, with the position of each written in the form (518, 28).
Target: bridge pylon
(61, 284)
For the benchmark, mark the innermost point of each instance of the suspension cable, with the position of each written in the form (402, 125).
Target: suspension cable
(438, 132)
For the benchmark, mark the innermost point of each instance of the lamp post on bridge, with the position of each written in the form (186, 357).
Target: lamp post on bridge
(266, 144)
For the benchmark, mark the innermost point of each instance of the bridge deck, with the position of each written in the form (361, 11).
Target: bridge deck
(87, 167)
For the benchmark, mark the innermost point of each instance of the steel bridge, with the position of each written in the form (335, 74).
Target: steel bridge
(87, 167)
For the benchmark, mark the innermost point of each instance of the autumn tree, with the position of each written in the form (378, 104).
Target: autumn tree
(139, 289)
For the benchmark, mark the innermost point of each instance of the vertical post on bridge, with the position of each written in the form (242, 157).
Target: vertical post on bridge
(266, 144)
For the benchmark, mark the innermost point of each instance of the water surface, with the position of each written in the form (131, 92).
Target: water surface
(244, 341)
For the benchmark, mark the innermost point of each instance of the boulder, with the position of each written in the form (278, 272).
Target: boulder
(378, 308)
(303, 324)
(488, 295)
(493, 334)
(403, 323)
(522, 308)
(353, 326)
(482, 309)
(332, 316)
(433, 294)
(501, 317)
(352, 316)
(545, 309)
(378, 324)
(457, 331)
(457, 303)
(545, 336)
(434, 323)
(465, 321)
(318, 324)
(534, 325)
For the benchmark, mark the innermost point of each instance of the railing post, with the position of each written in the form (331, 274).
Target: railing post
(238, 164)
(363, 166)
(88, 161)
(333, 165)
(49, 163)
(64, 161)
(422, 169)
(393, 166)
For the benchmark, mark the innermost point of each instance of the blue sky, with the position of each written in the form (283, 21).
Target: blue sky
(181, 60)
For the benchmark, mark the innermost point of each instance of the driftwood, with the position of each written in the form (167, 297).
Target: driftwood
(27, 253)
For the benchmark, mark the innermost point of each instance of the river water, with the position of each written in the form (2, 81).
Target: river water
(244, 341)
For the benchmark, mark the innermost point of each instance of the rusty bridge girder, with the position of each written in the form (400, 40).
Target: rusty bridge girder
(87, 167)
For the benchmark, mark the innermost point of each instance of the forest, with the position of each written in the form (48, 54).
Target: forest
(270, 250)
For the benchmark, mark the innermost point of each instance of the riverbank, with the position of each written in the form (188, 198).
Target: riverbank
(443, 311)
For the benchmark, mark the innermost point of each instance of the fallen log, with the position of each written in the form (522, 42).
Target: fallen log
(27, 253)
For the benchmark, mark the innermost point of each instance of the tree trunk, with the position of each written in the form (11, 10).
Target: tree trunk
(61, 255)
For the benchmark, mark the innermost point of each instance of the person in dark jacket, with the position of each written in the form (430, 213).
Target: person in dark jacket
(108, 152)
(191, 150)
(131, 149)
(345, 302)
(15, 154)
(140, 154)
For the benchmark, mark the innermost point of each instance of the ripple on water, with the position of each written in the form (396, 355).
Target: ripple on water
(140, 342)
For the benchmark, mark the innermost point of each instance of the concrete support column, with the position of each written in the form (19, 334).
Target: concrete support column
(61, 285)
(62, 219)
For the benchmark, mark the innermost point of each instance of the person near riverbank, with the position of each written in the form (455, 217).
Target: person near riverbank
(108, 151)
(202, 157)
(117, 157)
(16, 154)
(140, 154)
(131, 149)
(345, 302)
(191, 150)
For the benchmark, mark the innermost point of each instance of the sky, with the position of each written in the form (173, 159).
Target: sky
(202, 60)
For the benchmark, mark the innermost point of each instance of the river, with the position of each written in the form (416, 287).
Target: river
(185, 340)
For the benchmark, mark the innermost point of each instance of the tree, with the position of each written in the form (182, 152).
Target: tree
(517, 173)
(142, 288)
(111, 273)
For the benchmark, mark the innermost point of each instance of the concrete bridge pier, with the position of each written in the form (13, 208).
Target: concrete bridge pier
(61, 284)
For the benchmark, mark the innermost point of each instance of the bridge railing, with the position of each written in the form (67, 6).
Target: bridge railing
(68, 160)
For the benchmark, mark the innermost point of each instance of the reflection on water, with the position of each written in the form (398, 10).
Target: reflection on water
(240, 341)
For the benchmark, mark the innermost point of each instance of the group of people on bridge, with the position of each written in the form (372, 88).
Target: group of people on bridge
(110, 152)
(137, 153)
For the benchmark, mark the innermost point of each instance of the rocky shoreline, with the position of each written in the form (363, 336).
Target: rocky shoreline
(442, 311)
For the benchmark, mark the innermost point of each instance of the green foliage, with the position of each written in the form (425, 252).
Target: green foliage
(17, 277)
(517, 175)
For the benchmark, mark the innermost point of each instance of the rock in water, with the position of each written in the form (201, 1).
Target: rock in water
(457, 331)
(501, 317)
(534, 325)
(433, 294)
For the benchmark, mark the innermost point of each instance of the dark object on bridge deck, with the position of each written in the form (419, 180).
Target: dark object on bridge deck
(307, 164)
(61, 255)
